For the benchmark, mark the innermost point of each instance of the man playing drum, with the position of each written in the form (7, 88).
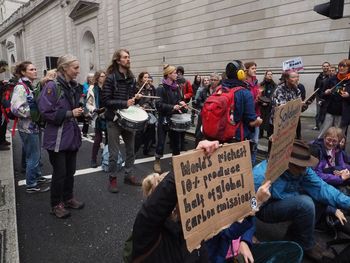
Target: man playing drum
(119, 93)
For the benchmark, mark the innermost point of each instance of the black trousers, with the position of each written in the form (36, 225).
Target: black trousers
(3, 127)
(64, 166)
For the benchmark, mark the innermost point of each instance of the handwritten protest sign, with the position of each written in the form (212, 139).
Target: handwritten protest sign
(294, 64)
(213, 191)
(285, 123)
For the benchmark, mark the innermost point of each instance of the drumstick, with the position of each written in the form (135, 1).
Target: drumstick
(141, 87)
(149, 109)
(191, 108)
(151, 97)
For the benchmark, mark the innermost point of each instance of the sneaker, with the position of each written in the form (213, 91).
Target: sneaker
(131, 180)
(43, 180)
(93, 164)
(112, 187)
(59, 211)
(37, 189)
(74, 204)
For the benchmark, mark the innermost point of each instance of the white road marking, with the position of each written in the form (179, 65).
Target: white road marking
(99, 169)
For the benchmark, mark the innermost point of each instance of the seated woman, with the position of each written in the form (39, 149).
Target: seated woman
(331, 167)
(157, 234)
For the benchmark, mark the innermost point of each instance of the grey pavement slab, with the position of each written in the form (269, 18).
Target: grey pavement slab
(8, 221)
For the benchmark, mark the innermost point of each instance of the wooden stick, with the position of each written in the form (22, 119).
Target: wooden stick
(151, 97)
(141, 87)
(149, 109)
(191, 108)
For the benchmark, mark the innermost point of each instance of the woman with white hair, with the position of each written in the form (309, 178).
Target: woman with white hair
(59, 105)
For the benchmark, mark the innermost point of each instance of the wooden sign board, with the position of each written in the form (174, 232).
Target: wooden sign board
(286, 118)
(213, 191)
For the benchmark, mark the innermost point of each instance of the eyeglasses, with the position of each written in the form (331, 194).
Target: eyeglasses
(331, 141)
(214, 80)
(342, 65)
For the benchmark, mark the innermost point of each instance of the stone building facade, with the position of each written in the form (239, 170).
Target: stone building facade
(201, 35)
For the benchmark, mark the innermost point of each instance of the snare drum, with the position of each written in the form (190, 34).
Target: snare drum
(180, 122)
(133, 118)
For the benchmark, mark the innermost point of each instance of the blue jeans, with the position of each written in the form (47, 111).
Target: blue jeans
(256, 141)
(31, 145)
(300, 210)
(277, 252)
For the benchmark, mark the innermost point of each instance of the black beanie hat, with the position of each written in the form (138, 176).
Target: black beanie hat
(181, 69)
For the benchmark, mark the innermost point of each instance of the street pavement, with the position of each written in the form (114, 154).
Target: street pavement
(97, 232)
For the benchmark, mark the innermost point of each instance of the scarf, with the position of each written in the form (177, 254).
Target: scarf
(170, 83)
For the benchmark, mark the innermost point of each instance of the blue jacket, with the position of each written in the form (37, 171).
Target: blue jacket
(288, 185)
(244, 109)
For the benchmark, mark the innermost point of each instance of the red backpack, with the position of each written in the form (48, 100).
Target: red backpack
(217, 115)
(6, 101)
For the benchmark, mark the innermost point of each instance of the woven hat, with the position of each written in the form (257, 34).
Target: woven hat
(167, 69)
(301, 155)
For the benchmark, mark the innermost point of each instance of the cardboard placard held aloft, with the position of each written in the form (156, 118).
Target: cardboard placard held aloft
(285, 122)
(213, 191)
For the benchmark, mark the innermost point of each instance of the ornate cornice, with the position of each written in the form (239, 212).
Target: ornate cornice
(83, 8)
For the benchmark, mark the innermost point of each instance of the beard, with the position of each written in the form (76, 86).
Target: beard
(125, 66)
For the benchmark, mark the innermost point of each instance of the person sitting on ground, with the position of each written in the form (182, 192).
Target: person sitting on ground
(157, 237)
(331, 167)
(300, 196)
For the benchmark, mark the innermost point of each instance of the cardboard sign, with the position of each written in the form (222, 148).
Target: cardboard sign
(285, 124)
(213, 191)
(294, 64)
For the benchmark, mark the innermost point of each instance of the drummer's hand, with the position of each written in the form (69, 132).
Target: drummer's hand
(138, 96)
(177, 107)
(130, 102)
(183, 104)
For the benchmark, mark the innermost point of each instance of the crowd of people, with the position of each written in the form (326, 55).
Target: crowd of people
(118, 106)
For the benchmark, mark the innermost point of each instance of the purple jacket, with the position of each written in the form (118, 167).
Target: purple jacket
(326, 174)
(56, 102)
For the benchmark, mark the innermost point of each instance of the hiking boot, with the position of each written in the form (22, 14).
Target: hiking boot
(4, 147)
(43, 180)
(113, 185)
(93, 164)
(37, 189)
(74, 204)
(156, 166)
(59, 211)
(131, 180)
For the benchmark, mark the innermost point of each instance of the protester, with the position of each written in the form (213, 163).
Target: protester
(321, 78)
(59, 105)
(332, 94)
(147, 136)
(301, 197)
(195, 86)
(93, 104)
(170, 102)
(267, 87)
(86, 85)
(119, 92)
(157, 235)
(22, 105)
(4, 144)
(331, 167)
(187, 93)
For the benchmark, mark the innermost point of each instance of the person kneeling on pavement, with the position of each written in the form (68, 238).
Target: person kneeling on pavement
(157, 235)
(300, 196)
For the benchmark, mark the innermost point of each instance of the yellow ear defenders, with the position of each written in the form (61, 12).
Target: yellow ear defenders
(239, 71)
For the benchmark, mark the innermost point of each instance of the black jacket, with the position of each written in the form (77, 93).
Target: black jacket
(168, 98)
(333, 101)
(116, 91)
(152, 222)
